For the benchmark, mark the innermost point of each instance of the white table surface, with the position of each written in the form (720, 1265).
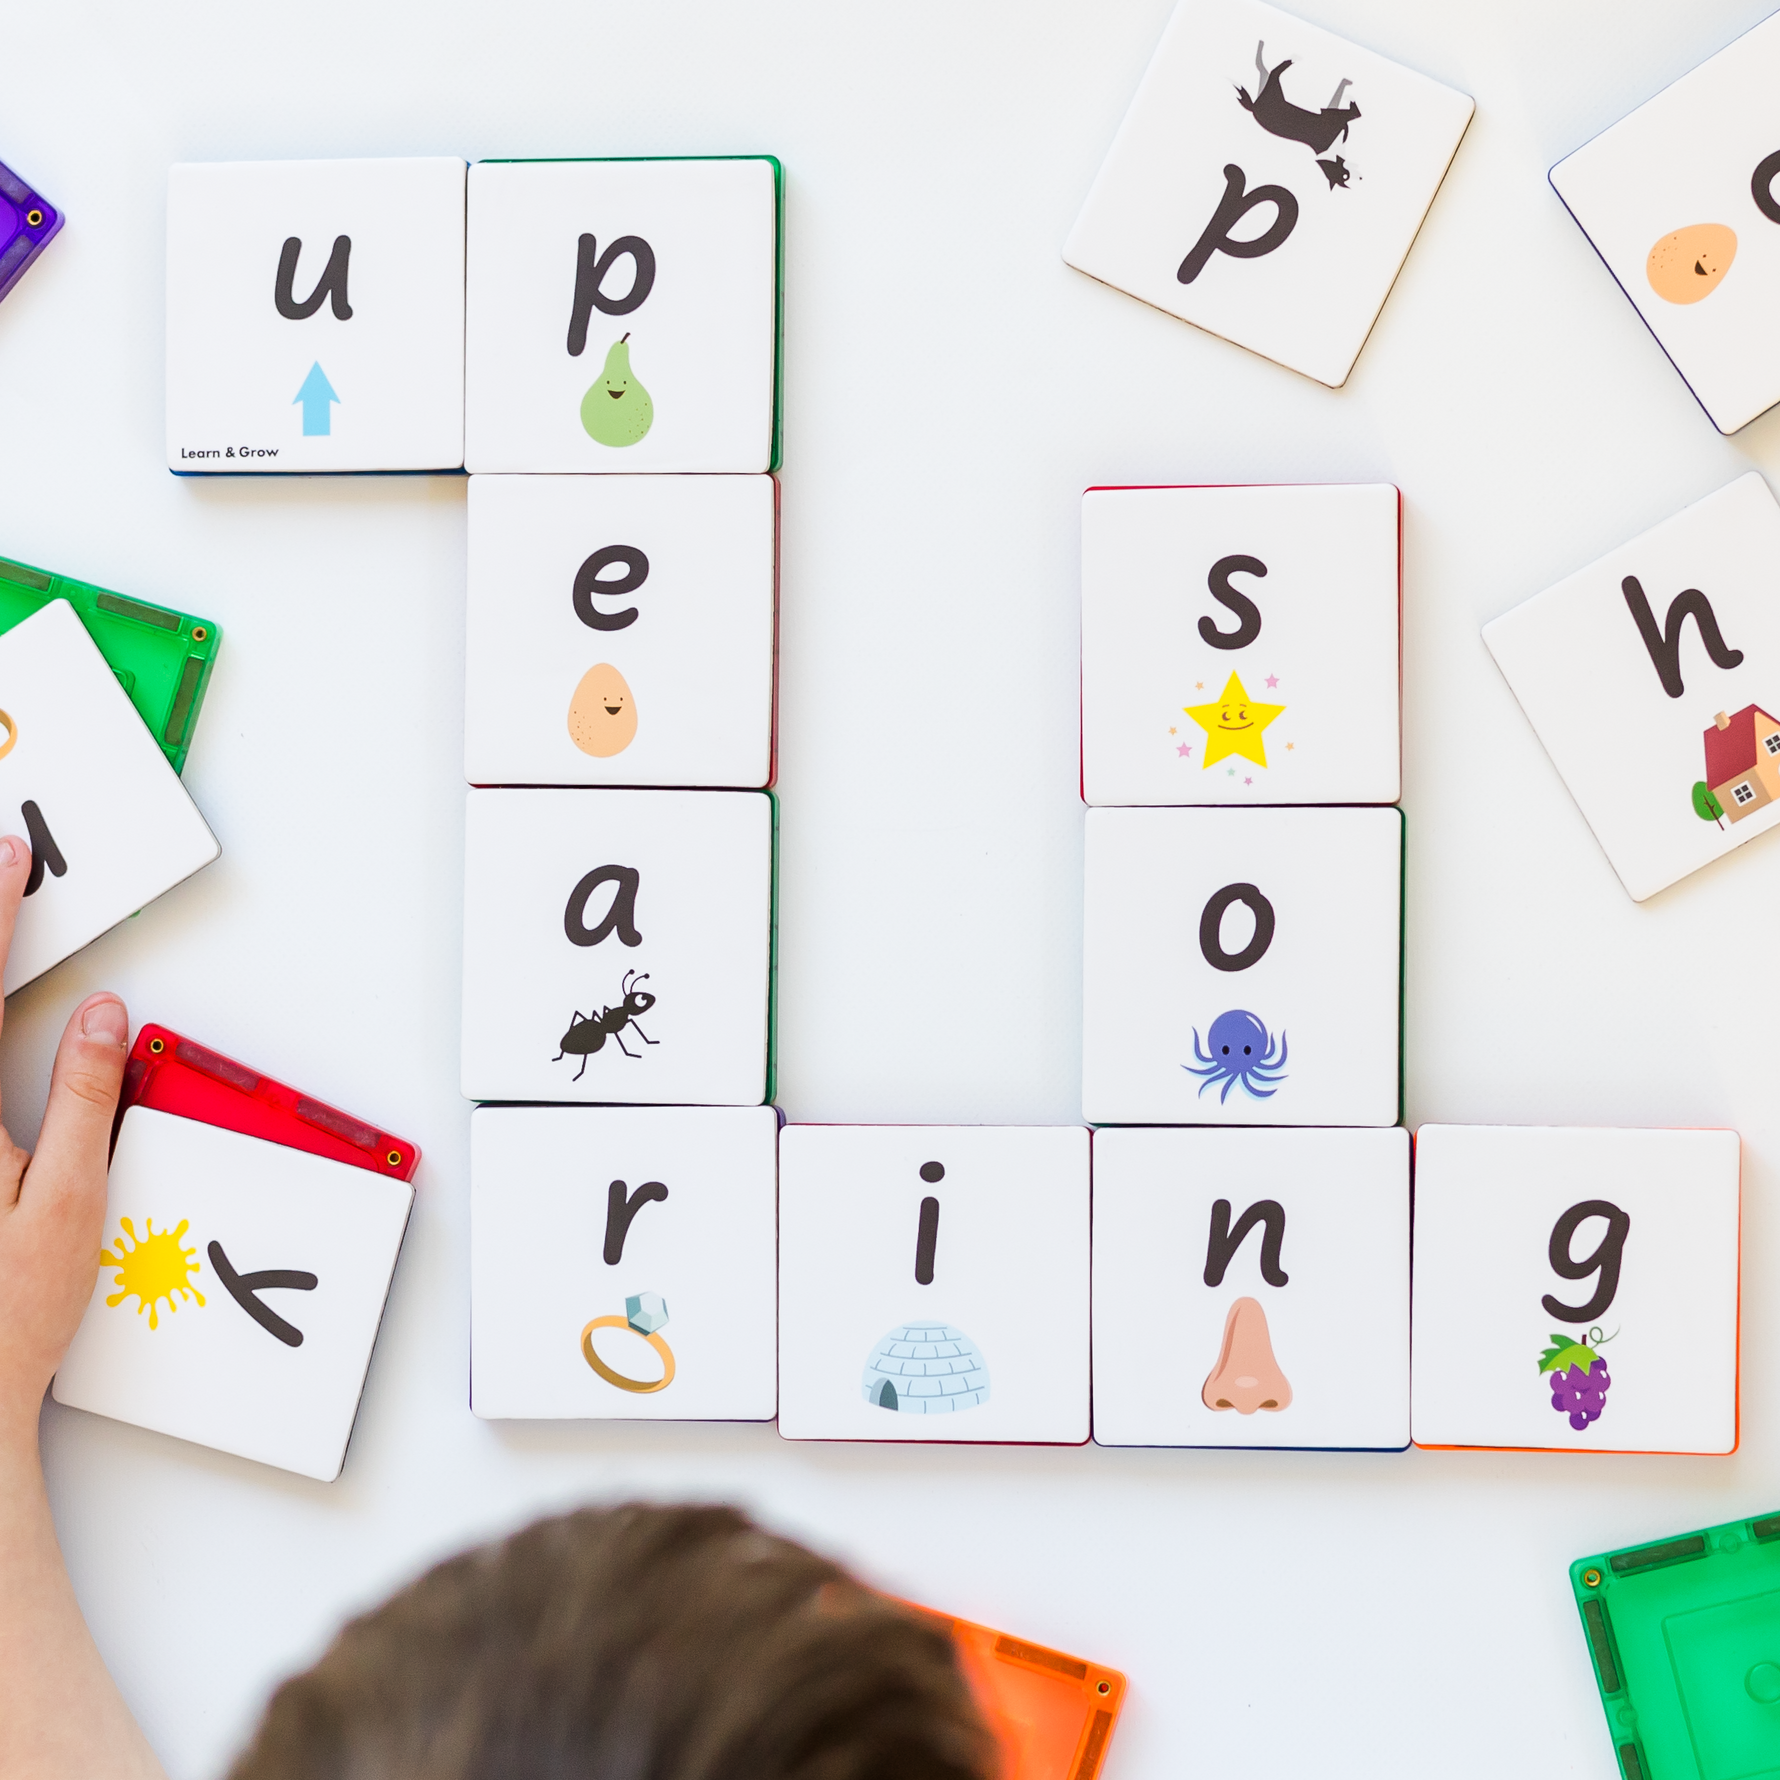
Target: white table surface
(950, 388)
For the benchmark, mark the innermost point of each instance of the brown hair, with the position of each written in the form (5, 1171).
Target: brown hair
(630, 1643)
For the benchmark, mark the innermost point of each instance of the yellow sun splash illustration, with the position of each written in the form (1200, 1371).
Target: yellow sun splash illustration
(156, 1266)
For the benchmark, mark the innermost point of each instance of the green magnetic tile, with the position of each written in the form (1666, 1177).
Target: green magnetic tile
(1684, 1635)
(162, 658)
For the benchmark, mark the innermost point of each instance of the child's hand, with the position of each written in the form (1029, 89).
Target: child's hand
(60, 1716)
(52, 1204)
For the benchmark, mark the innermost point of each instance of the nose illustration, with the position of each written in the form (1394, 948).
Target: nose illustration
(1246, 1377)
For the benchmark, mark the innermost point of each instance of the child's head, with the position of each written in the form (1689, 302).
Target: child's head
(633, 1643)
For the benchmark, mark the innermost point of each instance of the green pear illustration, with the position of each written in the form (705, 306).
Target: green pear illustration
(617, 410)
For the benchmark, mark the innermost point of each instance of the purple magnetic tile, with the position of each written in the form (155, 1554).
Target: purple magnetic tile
(27, 224)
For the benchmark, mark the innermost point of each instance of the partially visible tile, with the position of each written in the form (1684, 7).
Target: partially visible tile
(82, 780)
(315, 316)
(1576, 1288)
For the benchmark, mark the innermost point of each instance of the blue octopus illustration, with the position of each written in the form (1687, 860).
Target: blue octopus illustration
(1242, 1050)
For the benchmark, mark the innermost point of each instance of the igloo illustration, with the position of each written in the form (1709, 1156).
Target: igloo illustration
(926, 1369)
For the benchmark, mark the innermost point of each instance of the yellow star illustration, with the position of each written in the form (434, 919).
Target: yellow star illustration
(1233, 724)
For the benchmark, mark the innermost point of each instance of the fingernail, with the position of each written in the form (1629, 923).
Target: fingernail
(9, 851)
(107, 1020)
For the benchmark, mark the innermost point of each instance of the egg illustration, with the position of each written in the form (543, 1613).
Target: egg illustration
(1691, 263)
(603, 713)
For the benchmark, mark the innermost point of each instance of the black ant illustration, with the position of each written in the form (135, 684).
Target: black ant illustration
(1319, 131)
(587, 1033)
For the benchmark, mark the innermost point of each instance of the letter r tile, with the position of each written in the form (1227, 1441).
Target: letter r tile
(617, 947)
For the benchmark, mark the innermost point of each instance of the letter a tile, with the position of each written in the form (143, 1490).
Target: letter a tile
(1239, 645)
(622, 1262)
(1267, 182)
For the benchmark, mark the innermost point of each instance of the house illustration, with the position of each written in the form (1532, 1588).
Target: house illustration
(1743, 760)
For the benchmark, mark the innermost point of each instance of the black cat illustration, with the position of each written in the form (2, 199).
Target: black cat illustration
(1319, 131)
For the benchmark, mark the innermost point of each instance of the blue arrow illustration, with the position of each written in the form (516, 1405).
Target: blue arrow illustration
(315, 395)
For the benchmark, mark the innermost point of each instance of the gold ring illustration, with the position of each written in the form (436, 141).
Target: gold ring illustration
(642, 1386)
(12, 734)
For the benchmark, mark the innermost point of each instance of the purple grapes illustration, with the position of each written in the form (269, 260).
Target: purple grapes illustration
(1578, 1376)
